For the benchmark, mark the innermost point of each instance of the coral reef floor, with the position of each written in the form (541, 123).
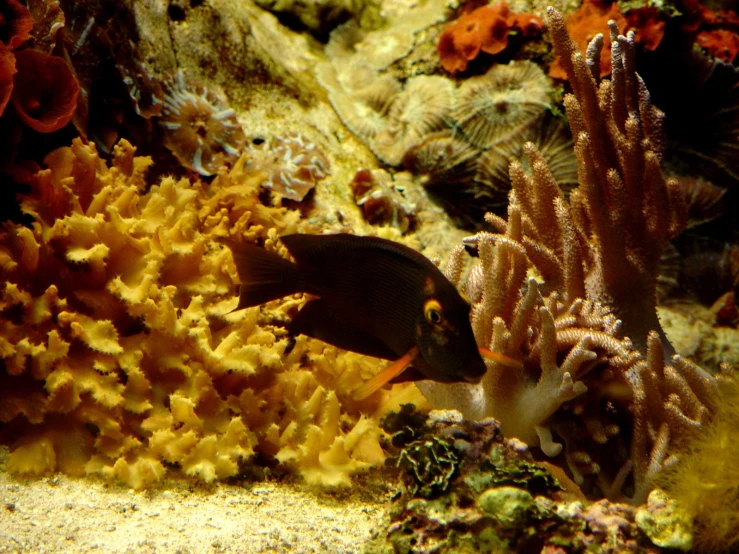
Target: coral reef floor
(63, 515)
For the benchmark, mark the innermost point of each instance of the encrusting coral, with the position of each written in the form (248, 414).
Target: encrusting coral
(599, 385)
(119, 352)
(503, 102)
(424, 106)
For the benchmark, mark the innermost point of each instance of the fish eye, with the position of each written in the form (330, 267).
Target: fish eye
(432, 311)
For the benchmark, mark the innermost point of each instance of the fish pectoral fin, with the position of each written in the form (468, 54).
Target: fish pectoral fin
(500, 358)
(386, 375)
(410, 374)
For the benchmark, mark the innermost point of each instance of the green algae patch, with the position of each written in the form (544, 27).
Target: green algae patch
(665, 523)
(509, 506)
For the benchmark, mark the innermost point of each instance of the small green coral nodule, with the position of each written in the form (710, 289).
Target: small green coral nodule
(509, 506)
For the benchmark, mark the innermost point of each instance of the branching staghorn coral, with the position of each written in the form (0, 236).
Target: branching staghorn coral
(625, 211)
(595, 389)
(118, 352)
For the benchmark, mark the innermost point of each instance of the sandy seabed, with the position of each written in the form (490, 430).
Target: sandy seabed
(60, 514)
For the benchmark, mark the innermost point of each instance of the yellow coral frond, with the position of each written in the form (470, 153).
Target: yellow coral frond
(33, 458)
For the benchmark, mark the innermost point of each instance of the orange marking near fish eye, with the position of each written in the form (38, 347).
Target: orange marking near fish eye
(432, 311)
(429, 289)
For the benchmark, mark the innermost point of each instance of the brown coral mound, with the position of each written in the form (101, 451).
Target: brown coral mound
(120, 354)
(599, 392)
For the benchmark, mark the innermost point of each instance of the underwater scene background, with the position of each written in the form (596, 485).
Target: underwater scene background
(571, 169)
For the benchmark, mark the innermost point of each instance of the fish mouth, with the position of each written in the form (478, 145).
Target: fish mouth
(472, 379)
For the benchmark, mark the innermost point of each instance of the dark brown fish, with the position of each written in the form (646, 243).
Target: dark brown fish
(373, 296)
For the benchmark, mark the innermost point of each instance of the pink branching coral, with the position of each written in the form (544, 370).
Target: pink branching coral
(199, 127)
(293, 164)
(599, 391)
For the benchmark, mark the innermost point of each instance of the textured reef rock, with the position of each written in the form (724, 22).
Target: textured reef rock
(467, 489)
(265, 73)
(321, 16)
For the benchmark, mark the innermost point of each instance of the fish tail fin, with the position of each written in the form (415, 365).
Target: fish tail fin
(264, 275)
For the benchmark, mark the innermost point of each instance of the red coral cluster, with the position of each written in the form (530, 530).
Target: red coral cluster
(715, 32)
(15, 24)
(649, 25)
(593, 15)
(586, 22)
(722, 44)
(45, 91)
(485, 29)
(7, 70)
(42, 87)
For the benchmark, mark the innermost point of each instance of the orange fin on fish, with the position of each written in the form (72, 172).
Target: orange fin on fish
(386, 375)
(500, 358)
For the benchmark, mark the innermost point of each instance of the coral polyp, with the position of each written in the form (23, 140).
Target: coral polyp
(500, 103)
(199, 127)
(423, 107)
(293, 164)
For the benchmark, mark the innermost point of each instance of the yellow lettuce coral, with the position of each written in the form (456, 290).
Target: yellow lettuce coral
(120, 352)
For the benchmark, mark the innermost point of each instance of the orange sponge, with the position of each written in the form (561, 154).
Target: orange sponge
(484, 29)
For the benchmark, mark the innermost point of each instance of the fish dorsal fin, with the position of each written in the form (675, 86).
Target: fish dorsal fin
(310, 249)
